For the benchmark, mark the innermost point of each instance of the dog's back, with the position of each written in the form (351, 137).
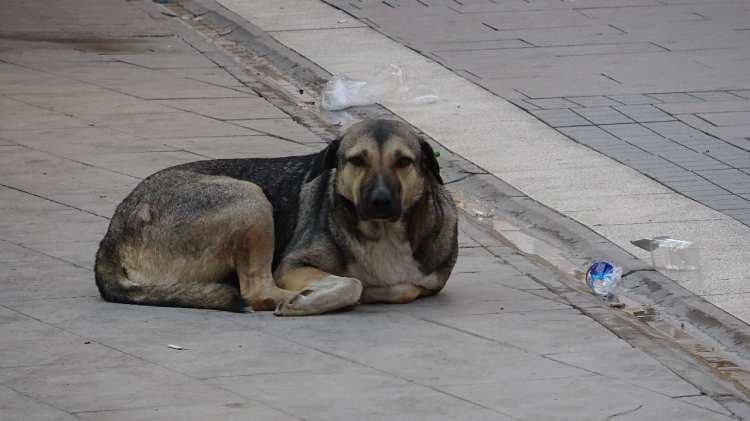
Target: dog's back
(280, 179)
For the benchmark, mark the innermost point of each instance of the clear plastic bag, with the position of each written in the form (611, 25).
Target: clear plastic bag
(389, 83)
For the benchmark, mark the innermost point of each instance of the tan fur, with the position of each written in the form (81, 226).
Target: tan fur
(386, 261)
(298, 279)
(380, 163)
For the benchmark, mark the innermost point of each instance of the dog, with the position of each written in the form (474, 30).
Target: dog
(366, 220)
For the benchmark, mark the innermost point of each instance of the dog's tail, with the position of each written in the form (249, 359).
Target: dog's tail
(114, 285)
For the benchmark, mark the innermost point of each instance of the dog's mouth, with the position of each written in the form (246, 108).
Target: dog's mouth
(365, 214)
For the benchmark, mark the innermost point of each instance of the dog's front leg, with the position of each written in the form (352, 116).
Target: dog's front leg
(395, 294)
(319, 291)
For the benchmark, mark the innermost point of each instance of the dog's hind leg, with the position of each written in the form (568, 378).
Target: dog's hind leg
(253, 258)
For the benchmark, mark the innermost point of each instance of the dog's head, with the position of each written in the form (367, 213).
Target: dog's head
(382, 167)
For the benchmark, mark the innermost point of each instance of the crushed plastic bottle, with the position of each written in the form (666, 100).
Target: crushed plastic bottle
(390, 84)
(602, 278)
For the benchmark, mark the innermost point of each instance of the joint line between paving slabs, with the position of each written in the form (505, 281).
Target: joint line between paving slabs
(406, 379)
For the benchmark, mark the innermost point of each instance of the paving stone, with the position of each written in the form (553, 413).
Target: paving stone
(26, 281)
(86, 103)
(20, 116)
(630, 365)
(379, 396)
(643, 113)
(549, 103)
(726, 202)
(285, 128)
(405, 348)
(169, 125)
(671, 128)
(593, 101)
(229, 147)
(736, 104)
(726, 176)
(603, 115)
(727, 118)
(15, 406)
(501, 327)
(561, 399)
(560, 118)
(634, 99)
(675, 97)
(227, 108)
(237, 410)
(715, 96)
(590, 135)
(118, 387)
(693, 185)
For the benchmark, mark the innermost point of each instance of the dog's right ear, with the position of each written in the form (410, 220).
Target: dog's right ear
(326, 160)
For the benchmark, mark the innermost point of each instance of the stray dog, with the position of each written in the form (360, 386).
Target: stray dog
(367, 219)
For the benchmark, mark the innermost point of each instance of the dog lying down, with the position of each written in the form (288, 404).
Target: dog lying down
(367, 220)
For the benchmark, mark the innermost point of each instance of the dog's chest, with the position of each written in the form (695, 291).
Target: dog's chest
(386, 261)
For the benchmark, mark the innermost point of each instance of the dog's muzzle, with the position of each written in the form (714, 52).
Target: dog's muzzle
(381, 203)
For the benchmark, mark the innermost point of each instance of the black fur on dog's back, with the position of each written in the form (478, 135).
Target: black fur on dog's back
(280, 179)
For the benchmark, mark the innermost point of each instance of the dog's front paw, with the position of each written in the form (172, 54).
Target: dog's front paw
(324, 295)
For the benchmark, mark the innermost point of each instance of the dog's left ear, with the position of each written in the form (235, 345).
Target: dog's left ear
(429, 160)
(326, 159)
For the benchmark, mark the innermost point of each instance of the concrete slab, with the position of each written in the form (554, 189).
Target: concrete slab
(227, 108)
(117, 387)
(15, 406)
(228, 147)
(283, 128)
(371, 394)
(558, 399)
(164, 125)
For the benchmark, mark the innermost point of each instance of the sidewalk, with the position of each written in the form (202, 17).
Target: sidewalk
(95, 98)
(612, 161)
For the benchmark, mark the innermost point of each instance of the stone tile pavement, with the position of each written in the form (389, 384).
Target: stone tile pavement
(85, 118)
(660, 86)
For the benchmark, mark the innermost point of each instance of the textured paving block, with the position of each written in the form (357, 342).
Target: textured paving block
(227, 108)
(644, 113)
(726, 202)
(738, 118)
(593, 101)
(603, 115)
(693, 185)
(715, 96)
(560, 118)
(671, 128)
(737, 104)
(562, 399)
(592, 136)
(15, 406)
(675, 97)
(549, 103)
(726, 176)
(628, 131)
(634, 99)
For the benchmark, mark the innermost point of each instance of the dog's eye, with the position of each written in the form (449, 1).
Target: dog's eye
(357, 161)
(403, 162)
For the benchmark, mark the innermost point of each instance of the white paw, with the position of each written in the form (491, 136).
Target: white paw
(328, 294)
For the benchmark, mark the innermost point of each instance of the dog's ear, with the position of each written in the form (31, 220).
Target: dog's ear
(429, 160)
(326, 159)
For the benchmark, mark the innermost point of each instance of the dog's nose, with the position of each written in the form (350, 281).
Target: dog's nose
(381, 201)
